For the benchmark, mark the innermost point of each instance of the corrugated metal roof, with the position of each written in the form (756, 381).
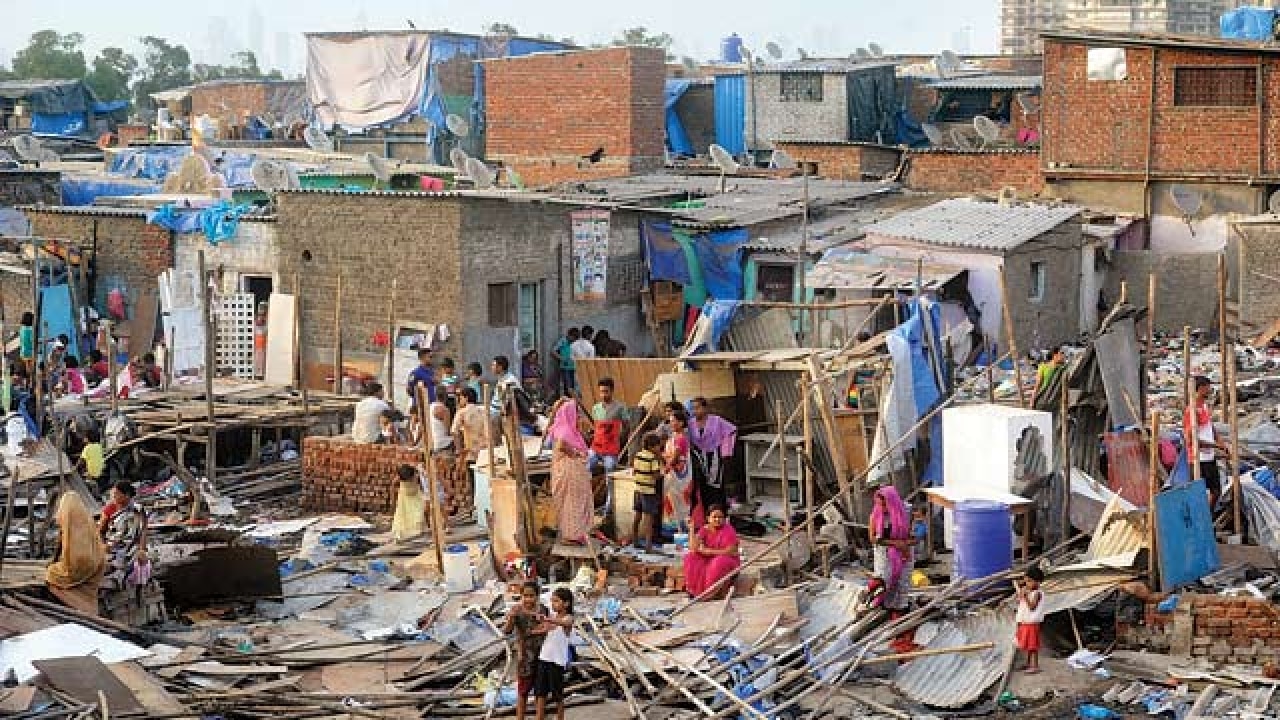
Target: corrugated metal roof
(964, 223)
(990, 82)
(1119, 531)
(984, 151)
(1070, 589)
(94, 210)
(842, 143)
(827, 65)
(955, 680)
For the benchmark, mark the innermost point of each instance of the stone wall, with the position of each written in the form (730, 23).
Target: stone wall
(1211, 627)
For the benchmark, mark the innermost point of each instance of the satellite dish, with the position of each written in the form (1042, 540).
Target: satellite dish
(481, 176)
(782, 161)
(987, 129)
(723, 160)
(317, 139)
(1008, 196)
(378, 166)
(1026, 105)
(774, 50)
(457, 125)
(960, 140)
(1186, 199)
(30, 149)
(1273, 203)
(458, 159)
(875, 49)
(862, 54)
(946, 63)
(271, 176)
(689, 63)
(514, 179)
(802, 53)
(934, 133)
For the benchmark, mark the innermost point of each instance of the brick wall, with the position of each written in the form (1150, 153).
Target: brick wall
(340, 475)
(851, 161)
(1103, 124)
(776, 120)
(548, 110)
(1218, 629)
(130, 254)
(220, 100)
(1175, 307)
(369, 239)
(958, 171)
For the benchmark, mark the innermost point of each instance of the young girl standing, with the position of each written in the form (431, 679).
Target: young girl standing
(1030, 615)
(554, 657)
(526, 620)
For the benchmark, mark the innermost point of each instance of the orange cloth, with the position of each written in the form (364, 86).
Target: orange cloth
(75, 576)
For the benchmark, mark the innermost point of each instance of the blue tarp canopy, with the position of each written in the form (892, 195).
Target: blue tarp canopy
(666, 257)
(155, 163)
(78, 190)
(59, 107)
(677, 139)
(59, 124)
(1247, 23)
(720, 255)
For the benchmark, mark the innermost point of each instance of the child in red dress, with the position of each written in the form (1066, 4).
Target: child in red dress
(1030, 615)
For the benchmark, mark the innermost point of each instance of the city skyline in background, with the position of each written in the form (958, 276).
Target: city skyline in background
(275, 32)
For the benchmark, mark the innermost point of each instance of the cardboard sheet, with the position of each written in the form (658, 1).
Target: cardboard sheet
(280, 346)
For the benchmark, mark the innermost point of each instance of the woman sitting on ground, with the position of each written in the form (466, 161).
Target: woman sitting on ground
(713, 555)
(76, 574)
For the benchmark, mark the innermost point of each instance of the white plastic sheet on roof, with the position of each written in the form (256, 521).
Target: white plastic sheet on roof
(360, 81)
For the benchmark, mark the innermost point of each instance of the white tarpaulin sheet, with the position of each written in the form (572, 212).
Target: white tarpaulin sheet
(359, 81)
(68, 640)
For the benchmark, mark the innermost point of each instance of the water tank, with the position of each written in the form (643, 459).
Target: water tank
(731, 49)
(982, 538)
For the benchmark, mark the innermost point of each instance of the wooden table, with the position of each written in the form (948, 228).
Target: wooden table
(948, 497)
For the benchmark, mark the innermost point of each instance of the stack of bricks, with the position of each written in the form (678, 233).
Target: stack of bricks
(1228, 630)
(339, 475)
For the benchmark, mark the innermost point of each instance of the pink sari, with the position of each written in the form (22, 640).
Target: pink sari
(570, 478)
(702, 571)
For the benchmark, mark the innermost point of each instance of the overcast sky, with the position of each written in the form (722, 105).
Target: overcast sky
(213, 30)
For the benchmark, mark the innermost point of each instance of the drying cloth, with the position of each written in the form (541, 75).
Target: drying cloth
(361, 81)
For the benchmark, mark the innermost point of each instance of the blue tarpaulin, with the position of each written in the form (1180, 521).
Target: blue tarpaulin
(925, 389)
(677, 139)
(106, 108)
(56, 317)
(59, 124)
(720, 255)
(666, 257)
(1185, 541)
(155, 163)
(720, 313)
(731, 113)
(1248, 23)
(218, 222)
(79, 190)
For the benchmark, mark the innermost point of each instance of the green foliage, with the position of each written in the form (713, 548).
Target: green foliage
(164, 67)
(50, 55)
(501, 28)
(113, 68)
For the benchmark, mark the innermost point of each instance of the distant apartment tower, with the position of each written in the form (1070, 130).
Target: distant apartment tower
(1022, 21)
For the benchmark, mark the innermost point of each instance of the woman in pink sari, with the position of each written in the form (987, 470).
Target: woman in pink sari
(890, 530)
(713, 554)
(570, 478)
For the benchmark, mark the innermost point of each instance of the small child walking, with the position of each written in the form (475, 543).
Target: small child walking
(526, 620)
(554, 657)
(1030, 615)
(646, 468)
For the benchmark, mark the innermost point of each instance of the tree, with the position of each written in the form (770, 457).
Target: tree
(641, 36)
(112, 71)
(50, 55)
(244, 66)
(500, 28)
(164, 67)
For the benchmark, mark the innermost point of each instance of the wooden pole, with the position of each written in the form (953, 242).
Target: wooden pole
(391, 347)
(783, 450)
(1064, 422)
(1009, 335)
(520, 470)
(1189, 395)
(1153, 487)
(210, 367)
(437, 515)
(299, 380)
(1233, 447)
(337, 340)
(488, 428)
(1222, 327)
(1151, 314)
(14, 473)
(109, 331)
(806, 397)
(37, 375)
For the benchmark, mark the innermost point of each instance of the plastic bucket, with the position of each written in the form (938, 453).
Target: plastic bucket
(457, 569)
(982, 539)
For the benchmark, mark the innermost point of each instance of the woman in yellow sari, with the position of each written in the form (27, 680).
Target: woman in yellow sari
(77, 572)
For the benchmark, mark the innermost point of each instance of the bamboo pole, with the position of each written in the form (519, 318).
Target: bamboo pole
(337, 339)
(14, 473)
(487, 392)
(1233, 448)
(807, 423)
(783, 451)
(391, 346)
(210, 367)
(1009, 335)
(1064, 420)
(437, 517)
(1222, 328)
(37, 344)
(1188, 394)
(108, 328)
(1151, 313)
(1153, 487)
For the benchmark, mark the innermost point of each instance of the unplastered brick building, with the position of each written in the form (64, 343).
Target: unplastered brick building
(575, 115)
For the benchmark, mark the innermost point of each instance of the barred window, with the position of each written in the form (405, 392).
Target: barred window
(1215, 86)
(801, 87)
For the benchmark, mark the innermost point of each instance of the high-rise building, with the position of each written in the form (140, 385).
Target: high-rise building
(1021, 21)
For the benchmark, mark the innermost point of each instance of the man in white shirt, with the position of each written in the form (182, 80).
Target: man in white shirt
(366, 428)
(583, 347)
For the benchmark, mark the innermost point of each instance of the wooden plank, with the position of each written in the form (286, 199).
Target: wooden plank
(708, 383)
(280, 347)
(150, 693)
(84, 677)
(17, 700)
(632, 377)
(666, 637)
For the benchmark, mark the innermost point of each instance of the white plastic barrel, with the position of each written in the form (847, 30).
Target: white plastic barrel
(457, 569)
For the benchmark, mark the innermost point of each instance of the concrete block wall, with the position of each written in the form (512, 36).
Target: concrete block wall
(253, 251)
(1175, 274)
(1103, 124)
(965, 172)
(846, 161)
(370, 239)
(546, 111)
(1216, 628)
(1055, 319)
(776, 120)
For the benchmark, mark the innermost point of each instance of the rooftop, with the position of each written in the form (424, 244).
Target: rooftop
(828, 65)
(850, 269)
(990, 82)
(1131, 39)
(965, 223)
